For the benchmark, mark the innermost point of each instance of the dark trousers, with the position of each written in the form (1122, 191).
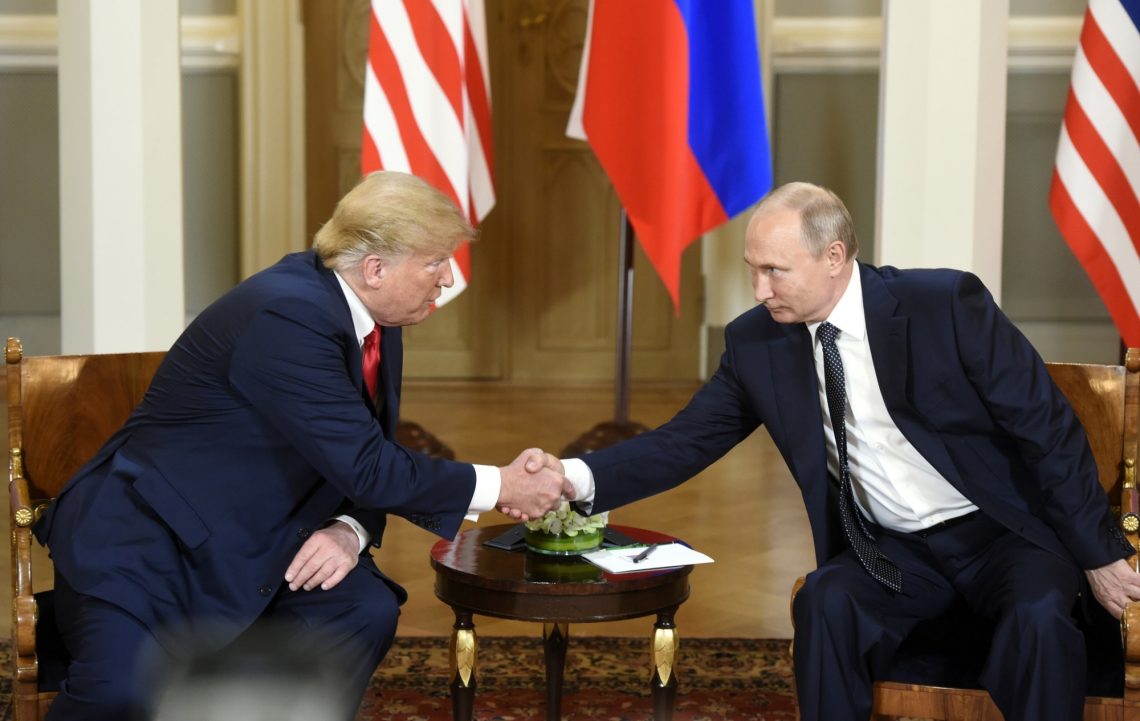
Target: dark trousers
(326, 643)
(848, 626)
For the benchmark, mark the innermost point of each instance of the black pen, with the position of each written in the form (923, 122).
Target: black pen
(644, 554)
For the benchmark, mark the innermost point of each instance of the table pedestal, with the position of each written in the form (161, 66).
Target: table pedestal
(474, 579)
(555, 641)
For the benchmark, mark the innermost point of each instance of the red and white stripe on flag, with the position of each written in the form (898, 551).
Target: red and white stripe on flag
(427, 104)
(1095, 195)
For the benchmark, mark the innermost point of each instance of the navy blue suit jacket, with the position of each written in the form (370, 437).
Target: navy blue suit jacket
(254, 432)
(959, 380)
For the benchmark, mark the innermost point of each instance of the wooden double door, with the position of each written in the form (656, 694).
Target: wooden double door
(542, 303)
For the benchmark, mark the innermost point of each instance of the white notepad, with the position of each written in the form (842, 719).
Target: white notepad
(666, 555)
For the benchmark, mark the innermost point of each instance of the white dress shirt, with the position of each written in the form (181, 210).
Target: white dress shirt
(487, 480)
(894, 485)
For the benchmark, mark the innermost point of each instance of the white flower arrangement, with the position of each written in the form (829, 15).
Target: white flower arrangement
(567, 522)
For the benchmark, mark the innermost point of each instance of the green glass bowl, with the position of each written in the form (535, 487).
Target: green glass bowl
(560, 545)
(544, 568)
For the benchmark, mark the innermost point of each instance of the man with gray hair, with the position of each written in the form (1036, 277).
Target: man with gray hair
(246, 488)
(938, 463)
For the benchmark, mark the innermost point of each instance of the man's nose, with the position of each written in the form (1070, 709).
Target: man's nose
(447, 278)
(762, 289)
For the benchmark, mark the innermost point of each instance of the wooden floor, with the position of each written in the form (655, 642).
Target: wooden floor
(744, 511)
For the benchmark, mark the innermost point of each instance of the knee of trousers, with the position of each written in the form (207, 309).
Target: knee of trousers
(374, 616)
(1046, 617)
(105, 696)
(823, 598)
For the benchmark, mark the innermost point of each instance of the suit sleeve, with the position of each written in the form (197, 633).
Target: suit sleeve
(1023, 400)
(717, 418)
(290, 365)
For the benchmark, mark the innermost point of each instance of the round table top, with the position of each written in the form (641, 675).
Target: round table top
(524, 585)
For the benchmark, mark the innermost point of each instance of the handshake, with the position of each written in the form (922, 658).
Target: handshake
(533, 484)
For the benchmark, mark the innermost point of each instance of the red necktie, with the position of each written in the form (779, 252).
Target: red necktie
(371, 354)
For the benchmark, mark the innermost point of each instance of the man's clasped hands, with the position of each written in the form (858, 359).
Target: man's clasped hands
(533, 484)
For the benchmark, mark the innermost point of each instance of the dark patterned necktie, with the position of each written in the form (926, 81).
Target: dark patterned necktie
(879, 566)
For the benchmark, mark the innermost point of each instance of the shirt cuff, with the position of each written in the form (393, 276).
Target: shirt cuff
(487, 487)
(362, 535)
(582, 478)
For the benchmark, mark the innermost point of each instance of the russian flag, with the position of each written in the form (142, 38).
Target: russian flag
(670, 99)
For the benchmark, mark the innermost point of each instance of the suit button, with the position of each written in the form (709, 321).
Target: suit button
(303, 533)
(265, 590)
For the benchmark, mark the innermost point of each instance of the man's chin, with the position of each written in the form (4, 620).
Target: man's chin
(781, 315)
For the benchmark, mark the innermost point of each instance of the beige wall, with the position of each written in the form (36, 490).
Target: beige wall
(824, 117)
(48, 7)
(872, 8)
(29, 198)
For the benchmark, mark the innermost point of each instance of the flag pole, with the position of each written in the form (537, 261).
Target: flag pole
(620, 428)
(623, 366)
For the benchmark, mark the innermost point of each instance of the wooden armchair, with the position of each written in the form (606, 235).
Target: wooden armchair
(935, 673)
(60, 411)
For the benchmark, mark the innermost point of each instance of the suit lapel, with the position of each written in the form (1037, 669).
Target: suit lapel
(887, 333)
(387, 402)
(887, 330)
(354, 360)
(793, 377)
(797, 394)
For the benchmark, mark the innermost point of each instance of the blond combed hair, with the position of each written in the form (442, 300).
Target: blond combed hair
(823, 216)
(392, 215)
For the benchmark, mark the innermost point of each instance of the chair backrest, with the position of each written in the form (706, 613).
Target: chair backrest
(1106, 399)
(61, 409)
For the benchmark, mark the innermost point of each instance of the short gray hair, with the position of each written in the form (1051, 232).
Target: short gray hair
(823, 216)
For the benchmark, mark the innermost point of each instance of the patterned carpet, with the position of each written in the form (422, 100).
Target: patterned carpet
(606, 679)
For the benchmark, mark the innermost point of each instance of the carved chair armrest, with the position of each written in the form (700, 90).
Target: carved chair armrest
(1130, 621)
(792, 599)
(21, 503)
(22, 516)
(1130, 637)
(1130, 509)
(24, 611)
(791, 605)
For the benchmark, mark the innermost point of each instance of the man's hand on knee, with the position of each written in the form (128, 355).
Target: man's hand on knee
(325, 559)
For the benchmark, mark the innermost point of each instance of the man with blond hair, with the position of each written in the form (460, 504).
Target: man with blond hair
(244, 491)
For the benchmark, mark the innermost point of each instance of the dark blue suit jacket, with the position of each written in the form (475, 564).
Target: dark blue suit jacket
(254, 432)
(959, 380)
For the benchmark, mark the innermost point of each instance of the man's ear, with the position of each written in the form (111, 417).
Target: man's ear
(374, 269)
(836, 256)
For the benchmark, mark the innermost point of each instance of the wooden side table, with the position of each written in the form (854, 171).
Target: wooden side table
(520, 585)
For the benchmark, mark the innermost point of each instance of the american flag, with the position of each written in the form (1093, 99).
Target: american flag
(427, 104)
(1095, 195)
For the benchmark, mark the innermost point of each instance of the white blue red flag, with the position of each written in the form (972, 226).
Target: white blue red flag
(1095, 196)
(670, 99)
(427, 104)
